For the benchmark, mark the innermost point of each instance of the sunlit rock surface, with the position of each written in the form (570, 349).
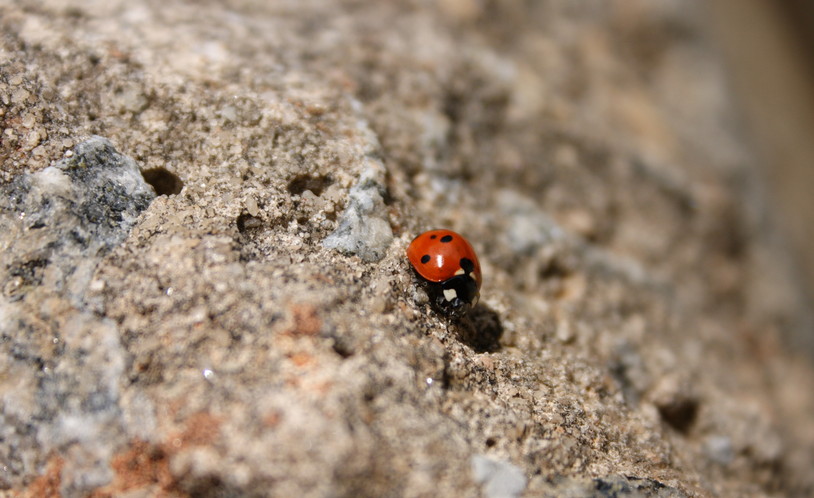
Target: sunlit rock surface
(255, 330)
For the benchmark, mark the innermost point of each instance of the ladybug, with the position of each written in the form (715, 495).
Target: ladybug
(449, 267)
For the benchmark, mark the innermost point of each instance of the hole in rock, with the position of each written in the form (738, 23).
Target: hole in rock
(315, 184)
(247, 222)
(163, 181)
(679, 414)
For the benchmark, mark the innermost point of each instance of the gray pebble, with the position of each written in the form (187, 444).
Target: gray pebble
(499, 479)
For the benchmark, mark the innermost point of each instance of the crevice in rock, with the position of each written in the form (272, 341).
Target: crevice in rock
(316, 184)
(163, 181)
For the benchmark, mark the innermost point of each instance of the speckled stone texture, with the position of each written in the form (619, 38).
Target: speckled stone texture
(240, 319)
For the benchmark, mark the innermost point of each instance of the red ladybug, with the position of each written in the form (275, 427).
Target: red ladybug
(449, 266)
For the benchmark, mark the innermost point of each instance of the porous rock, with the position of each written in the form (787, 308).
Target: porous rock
(255, 331)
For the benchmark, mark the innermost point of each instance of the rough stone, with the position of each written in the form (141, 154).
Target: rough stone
(363, 227)
(499, 479)
(255, 330)
(58, 222)
(611, 487)
(61, 382)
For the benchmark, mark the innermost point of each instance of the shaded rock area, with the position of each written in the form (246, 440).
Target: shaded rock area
(612, 486)
(240, 320)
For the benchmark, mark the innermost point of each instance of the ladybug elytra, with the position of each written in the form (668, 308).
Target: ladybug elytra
(448, 265)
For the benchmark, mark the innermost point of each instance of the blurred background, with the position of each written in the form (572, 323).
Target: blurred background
(768, 46)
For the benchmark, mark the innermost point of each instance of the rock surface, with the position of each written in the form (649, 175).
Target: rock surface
(498, 479)
(254, 329)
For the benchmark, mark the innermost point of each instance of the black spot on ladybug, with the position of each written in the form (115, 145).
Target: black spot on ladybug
(446, 238)
(425, 259)
(433, 236)
(467, 265)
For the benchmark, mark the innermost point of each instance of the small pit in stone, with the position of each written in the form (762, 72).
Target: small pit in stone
(315, 184)
(680, 414)
(163, 181)
(247, 223)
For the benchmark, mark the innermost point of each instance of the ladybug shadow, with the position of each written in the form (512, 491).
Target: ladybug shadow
(480, 329)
